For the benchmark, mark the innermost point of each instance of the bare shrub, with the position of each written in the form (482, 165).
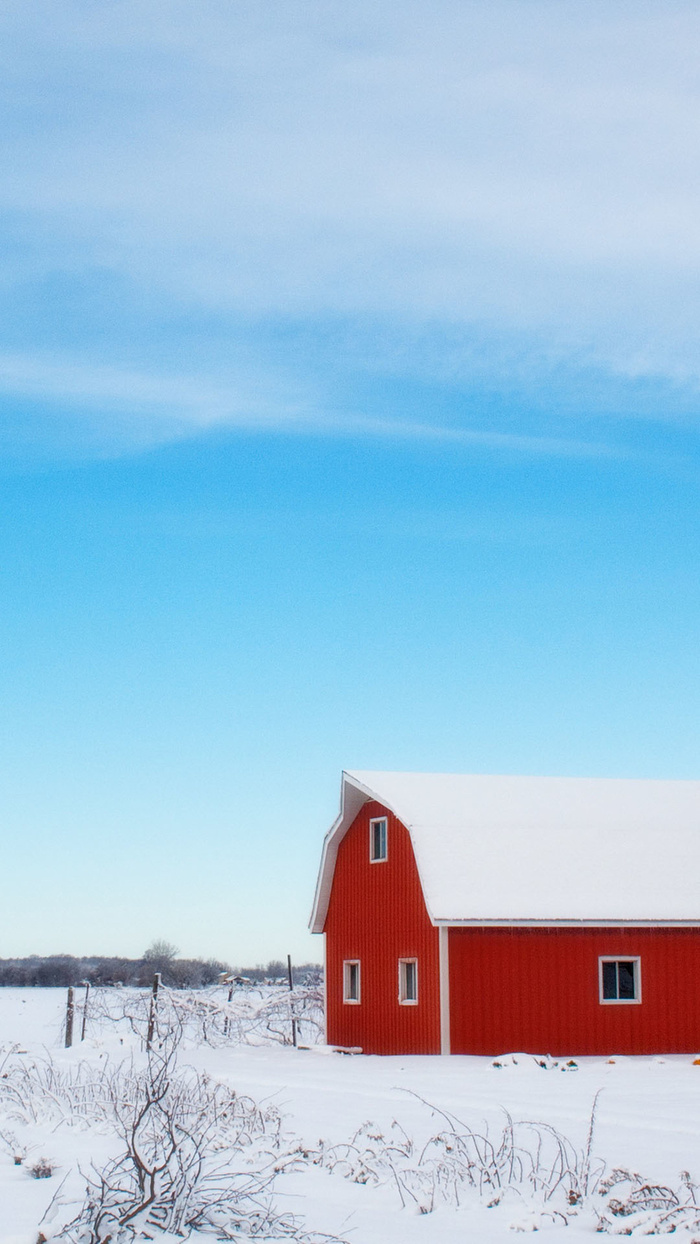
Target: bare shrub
(195, 1157)
(193, 1154)
(531, 1160)
(16, 1149)
(634, 1205)
(43, 1168)
(254, 1015)
(40, 1091)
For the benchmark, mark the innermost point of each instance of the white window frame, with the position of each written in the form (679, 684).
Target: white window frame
(636, 960)
(403, 1000)
(347, 965)
(378, 859)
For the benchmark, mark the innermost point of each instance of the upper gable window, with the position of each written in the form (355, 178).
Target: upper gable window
(378, 839)
(620, 980)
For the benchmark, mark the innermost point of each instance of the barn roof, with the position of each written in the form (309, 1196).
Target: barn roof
(537, 849)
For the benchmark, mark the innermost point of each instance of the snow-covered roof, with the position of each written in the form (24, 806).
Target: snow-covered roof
(537, 849)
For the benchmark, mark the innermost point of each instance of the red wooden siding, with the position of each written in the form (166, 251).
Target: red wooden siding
(536, 990)
(377, 914)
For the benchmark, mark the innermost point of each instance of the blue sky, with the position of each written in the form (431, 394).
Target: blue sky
(349, 396)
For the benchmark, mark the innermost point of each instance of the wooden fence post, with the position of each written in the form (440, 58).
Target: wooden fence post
(291, 989)
(85, 1010)
(230, 998)
(70, 1011)
(152, 1012)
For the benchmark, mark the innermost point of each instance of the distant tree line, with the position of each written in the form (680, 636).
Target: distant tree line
(276, 970)
(176, 973)
(99, 970)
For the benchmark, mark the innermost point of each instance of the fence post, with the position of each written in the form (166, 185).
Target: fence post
(290, 977)
(152, 1012)
(230, 997)
(70, 1011)
(85, 1010)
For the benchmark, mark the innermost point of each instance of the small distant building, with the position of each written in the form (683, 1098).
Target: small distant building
(479, 915)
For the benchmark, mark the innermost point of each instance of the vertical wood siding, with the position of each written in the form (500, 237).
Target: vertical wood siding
(536, 990)
(377, 914)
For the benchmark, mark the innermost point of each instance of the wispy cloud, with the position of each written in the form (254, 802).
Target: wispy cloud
(480, 438)
(186, 404)
(511, 169)
(193, 399)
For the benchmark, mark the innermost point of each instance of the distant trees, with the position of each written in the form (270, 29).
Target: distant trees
(160, 951)
(161, 956)
(63, 970)
(304, 973)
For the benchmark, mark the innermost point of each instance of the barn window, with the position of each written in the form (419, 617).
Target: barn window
(408, 981)
(351, 980)
(378, 839)
(620, 980)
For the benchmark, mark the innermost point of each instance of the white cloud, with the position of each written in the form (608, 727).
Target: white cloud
(189, 398)
(526, 168)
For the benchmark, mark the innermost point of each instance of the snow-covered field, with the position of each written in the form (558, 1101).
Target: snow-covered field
(647, 1120)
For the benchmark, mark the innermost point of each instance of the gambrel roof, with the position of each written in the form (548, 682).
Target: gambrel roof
(504, 850)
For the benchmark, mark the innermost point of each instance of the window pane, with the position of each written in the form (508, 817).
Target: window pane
(408, 980)
(351, 982)
(378, 840)
(625, 975)
(610, 981)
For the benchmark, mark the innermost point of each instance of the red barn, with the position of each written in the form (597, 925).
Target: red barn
(476, 915)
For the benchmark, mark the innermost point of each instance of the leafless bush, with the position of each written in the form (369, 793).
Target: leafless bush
(43, 1168)
(254, 1015)
(38, 1090)
(265, 1016)
(634, 1205)
(532, 1160)
(13, 1146)
(193, 1154)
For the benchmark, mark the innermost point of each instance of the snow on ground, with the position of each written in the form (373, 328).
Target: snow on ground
(648, 1119)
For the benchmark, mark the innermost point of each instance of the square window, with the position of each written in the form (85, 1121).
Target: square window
(408, 981)
(351, 980)
(620, 980)
(378, 839)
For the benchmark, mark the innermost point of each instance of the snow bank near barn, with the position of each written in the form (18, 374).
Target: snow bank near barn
(647, 1120)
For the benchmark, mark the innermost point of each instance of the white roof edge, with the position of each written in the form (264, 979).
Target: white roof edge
(613, 922)
(349, 808)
